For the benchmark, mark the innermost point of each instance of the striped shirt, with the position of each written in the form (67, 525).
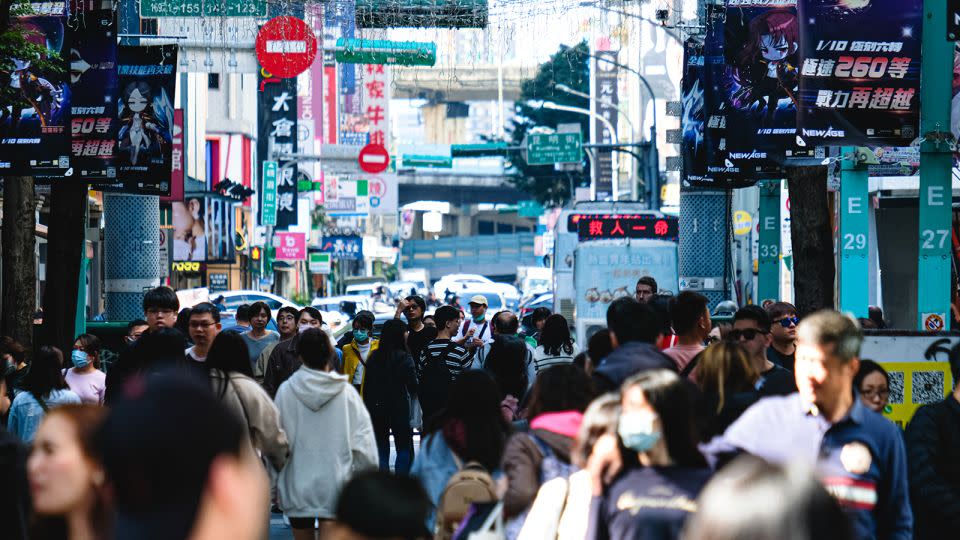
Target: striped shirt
(457, 358)
(542, 360)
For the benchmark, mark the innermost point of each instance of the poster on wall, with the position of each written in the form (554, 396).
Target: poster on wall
(93, 79)
(860, 76)
(34, 133)
(203, 229)
(145, 114)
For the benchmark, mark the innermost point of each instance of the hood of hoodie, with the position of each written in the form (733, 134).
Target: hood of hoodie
(631, 358)
(315, 388)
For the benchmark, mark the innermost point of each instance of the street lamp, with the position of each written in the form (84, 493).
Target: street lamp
(666, 30)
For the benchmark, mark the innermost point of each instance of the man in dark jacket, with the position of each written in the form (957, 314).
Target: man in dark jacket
(933, 458)
(634, 328)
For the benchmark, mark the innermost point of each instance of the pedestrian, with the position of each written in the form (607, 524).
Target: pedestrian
(690, 319)
(419, 333)
(258, 337)
(178, 466)
(356, 353)
(727, 381)
(664, 472)
(183, 323)
(16, 366)
(858, 454)
(85, 378)
(390, 384)
(241, 322)
(872, 385)
(398, 501)
(14, 494)
(287, 325)
(283, 361)
(440, 363)
(506, 363)
(556, 344)
(557, 401)
(504, 323)
(751, 329)
(476, 331)
(429, 321)
(330, 434)
(752, 498)
(538, 318)
(43, 390)
(646, 289)
(233, 384)
(783, 329)
(468, 429)
(135, 329)
(67, 482)
(933, 455)
(204, 327)
(598, 348)
(634, 330)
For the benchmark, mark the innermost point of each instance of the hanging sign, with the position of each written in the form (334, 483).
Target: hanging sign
(286, 46)
(93, 104)
(276, 137)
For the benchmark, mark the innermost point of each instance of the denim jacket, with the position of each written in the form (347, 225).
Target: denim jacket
(26, 412)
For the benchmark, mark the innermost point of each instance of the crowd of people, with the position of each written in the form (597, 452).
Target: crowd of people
(663, 425)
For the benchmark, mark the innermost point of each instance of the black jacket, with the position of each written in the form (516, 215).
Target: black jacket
(14, 496)
(389, 382)
(628, 360)
(933, 456)
(283, 363)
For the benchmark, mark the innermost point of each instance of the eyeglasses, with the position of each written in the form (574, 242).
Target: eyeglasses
(201, 324)
(747, 334)
(870, 393)
(787, 322)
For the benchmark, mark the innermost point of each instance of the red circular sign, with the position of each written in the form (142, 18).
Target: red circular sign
(374, 159)
(286, 46)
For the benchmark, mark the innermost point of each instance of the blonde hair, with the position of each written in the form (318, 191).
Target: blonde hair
(725, 366)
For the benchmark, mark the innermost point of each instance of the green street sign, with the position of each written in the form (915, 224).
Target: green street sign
(429, 162)
(318, 263)
(547, 149)
(529, 209)
(422, 13)
(478, 150)
(268, 208)
(381, 51)
(203, 8)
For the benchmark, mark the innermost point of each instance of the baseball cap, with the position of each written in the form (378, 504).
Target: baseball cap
(478, 299)
(157, 445)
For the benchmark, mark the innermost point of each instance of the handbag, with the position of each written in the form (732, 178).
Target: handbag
(416, 414)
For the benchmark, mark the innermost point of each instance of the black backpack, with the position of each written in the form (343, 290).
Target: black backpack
(434, 381)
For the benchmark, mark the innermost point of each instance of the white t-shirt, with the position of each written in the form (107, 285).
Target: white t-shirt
(482, 331)
(364, 353)
(192, 355)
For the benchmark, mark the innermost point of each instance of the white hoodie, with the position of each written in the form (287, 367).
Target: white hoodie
(331, 439)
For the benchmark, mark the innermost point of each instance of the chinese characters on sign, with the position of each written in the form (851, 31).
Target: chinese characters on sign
(277, 136)
(291, 246)
(605, 104)
(376, 103)
(343, 247)
(611, 226)
(93, 104)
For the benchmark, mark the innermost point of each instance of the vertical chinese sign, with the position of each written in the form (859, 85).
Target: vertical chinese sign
(277, 136)
(376, 92)
(605, 92)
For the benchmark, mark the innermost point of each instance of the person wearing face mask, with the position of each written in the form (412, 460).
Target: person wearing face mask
(356, 353)
(476, 331)
(283, 361)
(664, 471)
(85, 378)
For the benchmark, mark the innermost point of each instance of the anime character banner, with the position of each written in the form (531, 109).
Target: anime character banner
(34, 137)
(145, 116)
(860, 76)
(93, 78)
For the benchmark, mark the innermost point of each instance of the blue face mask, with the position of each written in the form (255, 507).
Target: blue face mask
(480, 318)
(80, 359)
(360, 335)
(637, 432)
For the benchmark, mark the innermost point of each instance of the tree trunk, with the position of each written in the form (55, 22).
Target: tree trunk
(19, 290)
(65, 242)
(812, 236)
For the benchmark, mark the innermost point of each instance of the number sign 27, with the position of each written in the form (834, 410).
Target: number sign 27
(934, 239)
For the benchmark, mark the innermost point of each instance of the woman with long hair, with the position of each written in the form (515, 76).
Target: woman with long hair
(506, 362)
(727, 382)
(66, 477)
(44, 389)
(556, 344)
(390, 382)
(85, 377)
(665, 472)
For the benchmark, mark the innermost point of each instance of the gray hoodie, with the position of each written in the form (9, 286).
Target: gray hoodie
(331, 439)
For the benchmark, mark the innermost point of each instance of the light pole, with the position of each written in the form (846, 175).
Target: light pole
(666, 30)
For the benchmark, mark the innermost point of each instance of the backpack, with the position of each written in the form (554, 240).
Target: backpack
(471, 484)
(551, 467)
(435, 381)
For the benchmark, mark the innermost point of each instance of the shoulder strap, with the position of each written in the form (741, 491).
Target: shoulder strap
(482, 330)
(688, 369)
(466, 326)
(243, 407)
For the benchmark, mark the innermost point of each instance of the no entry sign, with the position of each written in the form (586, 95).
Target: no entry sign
(374, 159)
(286, 46)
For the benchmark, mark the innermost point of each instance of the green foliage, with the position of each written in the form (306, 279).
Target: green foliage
(569, 66)
(14, 44)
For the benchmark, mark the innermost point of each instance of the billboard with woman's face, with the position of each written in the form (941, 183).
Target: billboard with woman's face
(203, 229)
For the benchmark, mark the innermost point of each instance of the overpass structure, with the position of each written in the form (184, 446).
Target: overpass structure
(457, 188)
(459, 83)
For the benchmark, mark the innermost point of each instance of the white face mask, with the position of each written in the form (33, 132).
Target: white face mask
(304, 327)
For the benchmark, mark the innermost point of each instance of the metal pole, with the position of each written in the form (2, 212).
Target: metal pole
(615, 184)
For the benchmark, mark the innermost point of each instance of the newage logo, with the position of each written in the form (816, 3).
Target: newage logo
(748, 155)
(824, 133)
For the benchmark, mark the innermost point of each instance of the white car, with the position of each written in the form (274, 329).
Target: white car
(233, 299)
(457, 283)
(495, 300)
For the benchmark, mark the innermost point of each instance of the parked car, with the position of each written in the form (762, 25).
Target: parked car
(458, 283)
(233, 300)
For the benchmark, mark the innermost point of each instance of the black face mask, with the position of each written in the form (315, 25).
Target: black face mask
(9, 366)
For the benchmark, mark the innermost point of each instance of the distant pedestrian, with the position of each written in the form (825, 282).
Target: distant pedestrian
(359, 349)
(241, 322)
(258, 337)
(43, 390)
(784, 321)
(476, 331)
(556, 344)
(287, 325)
(727, 381)
(16, 366)
(598, 348)
(135, 330)
(506, 361)
(690, 319)
(872, 385)
(538, 318)
(634, 329)
(284, 361)
(390, 384)
(85, 377)
(646, 289)
(204, 327)
(751, 329)
(440, 363)
(419, 332)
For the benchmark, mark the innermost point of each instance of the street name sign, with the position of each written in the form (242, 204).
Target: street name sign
(547, 149)
(203, 8)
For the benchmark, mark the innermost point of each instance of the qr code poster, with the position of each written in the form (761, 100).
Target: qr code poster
(913, 384)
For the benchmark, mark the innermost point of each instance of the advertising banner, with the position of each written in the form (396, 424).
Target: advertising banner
(176, 163)
(34, 138)
(145, 112)
(93, 103)
(277, 134)
(343, 247)
(605, 105)
(203, 229)
(860, 76)
(291, 246)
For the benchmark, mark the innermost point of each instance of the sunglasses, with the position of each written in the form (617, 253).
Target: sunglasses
(748, 334)
(787, 322)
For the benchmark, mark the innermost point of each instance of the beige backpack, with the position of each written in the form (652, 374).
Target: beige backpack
(471, 484)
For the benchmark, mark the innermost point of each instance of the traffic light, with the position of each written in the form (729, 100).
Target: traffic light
(255, 254)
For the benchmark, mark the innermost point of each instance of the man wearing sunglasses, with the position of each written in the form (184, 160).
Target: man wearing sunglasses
(751, 329)
(783, 330)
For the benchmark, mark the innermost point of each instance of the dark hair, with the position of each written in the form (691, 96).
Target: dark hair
(431, 317)
(778, 310)
(289, 309)
(560, 388)
(92, 346)
(630, 320)
(752, 498)
(399, 502)
(10, 346)
(875, 314)
(505, 322)
(257, 308)
(243, 313)
(506, 362)
(686, 309)
(670, 397)
(473, 408)
(312, 311)
(229, 353)
(418, 300)
(866, 368)
(314, 348)
(391, 339)
(599, 419)
(753, 313)
(161, 350)
(540, 314)
(444, 314)
(650, 282)
(183, 321)
(555, 336)
(161, 298)
(599, 346)
(364, 319)
(45, 373)
(135, 323)
(207, 307)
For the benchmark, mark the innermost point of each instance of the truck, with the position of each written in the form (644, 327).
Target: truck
(601, 250)
(418, 276)
(533, 280)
